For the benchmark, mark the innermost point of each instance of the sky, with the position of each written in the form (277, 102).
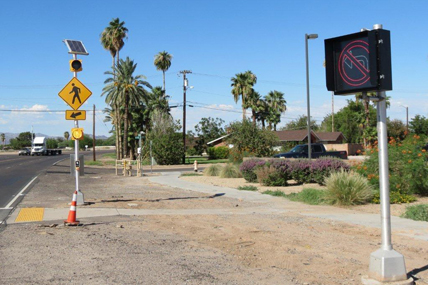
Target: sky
(214, 39)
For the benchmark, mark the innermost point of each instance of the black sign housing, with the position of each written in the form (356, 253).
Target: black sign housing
(359, 62)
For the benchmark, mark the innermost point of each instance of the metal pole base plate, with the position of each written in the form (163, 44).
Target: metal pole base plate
(80, 198)
(367, 281)
(387, 266)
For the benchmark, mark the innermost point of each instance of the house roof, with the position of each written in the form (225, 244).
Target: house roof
(219, 139)
(295, 135)
(330, 136)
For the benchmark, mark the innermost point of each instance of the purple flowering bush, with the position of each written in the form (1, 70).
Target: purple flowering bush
(276, 172)
(249, 167)
(323, 167)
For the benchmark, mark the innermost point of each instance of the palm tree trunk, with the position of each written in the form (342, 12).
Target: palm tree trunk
(125, 128)
(164, 91)
(254, 117)
(243, 108)
(118, 132)
(274, 127)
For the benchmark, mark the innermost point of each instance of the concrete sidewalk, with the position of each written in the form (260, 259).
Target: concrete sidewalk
(406, 227)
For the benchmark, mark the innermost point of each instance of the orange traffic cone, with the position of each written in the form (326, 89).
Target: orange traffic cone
(71, 221)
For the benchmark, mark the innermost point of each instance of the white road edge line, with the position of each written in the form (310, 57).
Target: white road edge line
(20, 193)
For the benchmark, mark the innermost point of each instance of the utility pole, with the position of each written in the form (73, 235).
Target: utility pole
(93, 133)
(185, 84)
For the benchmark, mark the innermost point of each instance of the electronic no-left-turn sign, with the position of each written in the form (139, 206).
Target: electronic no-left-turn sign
(353, 63)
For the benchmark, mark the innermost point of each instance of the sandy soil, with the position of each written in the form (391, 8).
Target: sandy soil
(396, 209)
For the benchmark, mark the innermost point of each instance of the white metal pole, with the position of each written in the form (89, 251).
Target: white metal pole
(307, 97)
(384, 172)
(80, 198)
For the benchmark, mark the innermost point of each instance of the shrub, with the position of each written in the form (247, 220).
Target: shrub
(230, 171)
(417, 213)
(270, 176)
(221, 152)
(408, 166)
(248, 168)
(347, 188)
(248, 188)
(276, 193)
(212, 170)
(323, 167)
(308, 195)
(301, 171)
(395, 198)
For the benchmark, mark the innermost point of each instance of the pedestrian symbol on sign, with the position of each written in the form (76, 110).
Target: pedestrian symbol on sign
(76, 91)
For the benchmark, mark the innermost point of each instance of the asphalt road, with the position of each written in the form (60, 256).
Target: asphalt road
(17, 171)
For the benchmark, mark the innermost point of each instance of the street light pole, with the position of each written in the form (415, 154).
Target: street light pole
(307, 37)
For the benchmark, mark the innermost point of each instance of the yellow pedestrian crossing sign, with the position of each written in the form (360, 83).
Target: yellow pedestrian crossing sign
(75, 93)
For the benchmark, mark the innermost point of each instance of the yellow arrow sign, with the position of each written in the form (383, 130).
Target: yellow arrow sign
(75, 93)
(78, 115)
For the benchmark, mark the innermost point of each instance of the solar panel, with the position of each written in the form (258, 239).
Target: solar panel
(75, 47)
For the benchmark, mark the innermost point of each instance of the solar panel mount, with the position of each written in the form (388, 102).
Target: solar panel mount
(75, 47)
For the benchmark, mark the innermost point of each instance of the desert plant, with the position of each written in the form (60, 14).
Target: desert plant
(248, 168)
(347, 188)
(212, 170)
(417, 212)
(247, 188)
(275, 193)
(395, 197)
(308, 196)
(270, 176)
(230, 171)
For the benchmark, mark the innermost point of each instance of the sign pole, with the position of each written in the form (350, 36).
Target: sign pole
(80, 197)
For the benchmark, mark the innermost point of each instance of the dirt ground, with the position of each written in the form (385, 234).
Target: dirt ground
(247, 243)
(396, 209)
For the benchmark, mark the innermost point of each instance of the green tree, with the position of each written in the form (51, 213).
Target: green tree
(51, 143)
(301, 123)
(277, 105)
(242, 85)
(167, 143)
(22, 140)
(125, 89)
(208, 129)
(350, 119)
(250, 140)
(396, 129)
(163, 62)
(3, 138)
(419, 125)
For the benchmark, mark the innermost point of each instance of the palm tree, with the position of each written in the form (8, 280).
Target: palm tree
(112, 37)
(243, 86)
(127, 90)
(276, 103)
(253, 102)
(66, 135)
(163, 62)
(107, 43)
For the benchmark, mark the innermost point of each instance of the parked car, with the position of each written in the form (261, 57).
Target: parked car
(317, 150)
(24, 151)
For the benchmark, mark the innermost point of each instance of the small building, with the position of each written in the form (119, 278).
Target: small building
(221, 141)
(296, 136)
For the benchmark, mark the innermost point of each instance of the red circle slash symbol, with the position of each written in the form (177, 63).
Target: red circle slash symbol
(354, 63)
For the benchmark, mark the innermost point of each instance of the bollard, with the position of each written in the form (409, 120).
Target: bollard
(195, 166)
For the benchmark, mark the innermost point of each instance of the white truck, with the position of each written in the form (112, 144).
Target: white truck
(39, 147)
